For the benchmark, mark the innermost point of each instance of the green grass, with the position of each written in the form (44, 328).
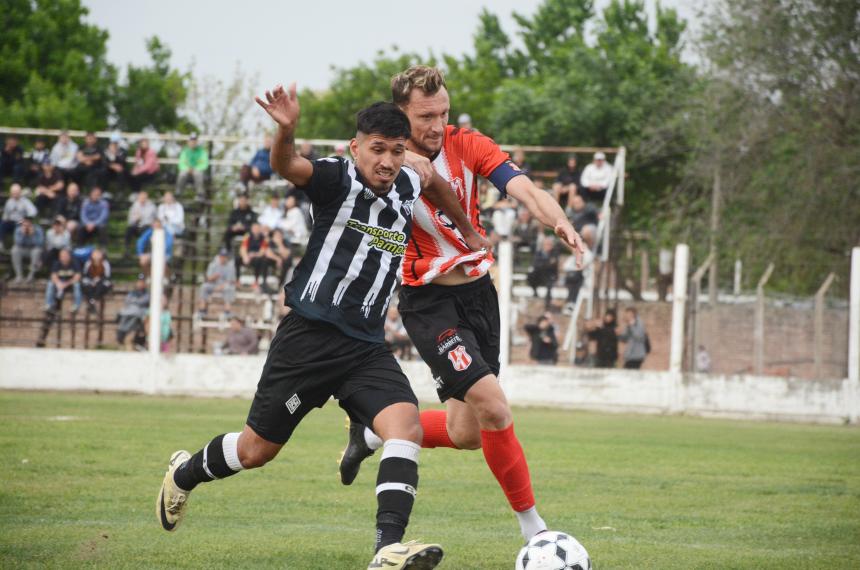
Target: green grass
(639, 492)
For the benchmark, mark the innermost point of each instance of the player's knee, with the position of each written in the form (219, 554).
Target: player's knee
(493, 414)
(410, 432)
(465, 438)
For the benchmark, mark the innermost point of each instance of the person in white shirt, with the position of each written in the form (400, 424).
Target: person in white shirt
(17, 208)
(64, 155)
(172, 214)
(272, 215)
(293, 224)
(596, 178)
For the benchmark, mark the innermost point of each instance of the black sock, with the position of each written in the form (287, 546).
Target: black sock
(207, 464)
(396, 485)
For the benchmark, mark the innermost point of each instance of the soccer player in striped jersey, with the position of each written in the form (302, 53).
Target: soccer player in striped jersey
(448, 302)
(332, 341)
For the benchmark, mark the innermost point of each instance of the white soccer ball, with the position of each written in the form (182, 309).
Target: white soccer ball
(553, 550)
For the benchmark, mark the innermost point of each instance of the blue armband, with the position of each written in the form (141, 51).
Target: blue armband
(503, 174)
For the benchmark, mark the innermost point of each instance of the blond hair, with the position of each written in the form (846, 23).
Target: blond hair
(427, 79)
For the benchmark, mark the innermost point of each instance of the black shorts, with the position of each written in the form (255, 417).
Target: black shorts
(311, 361)
(456, 331)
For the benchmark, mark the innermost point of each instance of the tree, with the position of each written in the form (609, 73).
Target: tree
(151, 96)
(53, 66)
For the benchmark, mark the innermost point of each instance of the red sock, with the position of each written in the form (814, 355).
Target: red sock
(434, 424)
(506, 460)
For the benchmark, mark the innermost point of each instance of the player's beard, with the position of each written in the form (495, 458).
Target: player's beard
(426, 150)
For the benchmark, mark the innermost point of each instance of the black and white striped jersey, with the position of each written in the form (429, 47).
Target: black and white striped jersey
(352, 261)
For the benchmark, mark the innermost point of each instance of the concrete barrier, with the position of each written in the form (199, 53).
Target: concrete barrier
(745, 397)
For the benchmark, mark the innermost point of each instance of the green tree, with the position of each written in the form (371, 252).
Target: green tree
(152, 96)
(53, 66)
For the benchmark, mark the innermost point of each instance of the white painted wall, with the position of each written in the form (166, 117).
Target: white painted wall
(747, 397)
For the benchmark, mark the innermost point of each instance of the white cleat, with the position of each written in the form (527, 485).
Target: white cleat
(171, 503)
(412, 555)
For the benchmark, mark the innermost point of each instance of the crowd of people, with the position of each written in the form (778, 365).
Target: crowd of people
(70, 190)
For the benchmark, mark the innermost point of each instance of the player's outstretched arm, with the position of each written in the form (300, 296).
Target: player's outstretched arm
(283, 107)
(440, 195)
(544, 207)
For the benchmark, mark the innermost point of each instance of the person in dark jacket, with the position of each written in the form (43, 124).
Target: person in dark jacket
(606, 337)
(544, 344)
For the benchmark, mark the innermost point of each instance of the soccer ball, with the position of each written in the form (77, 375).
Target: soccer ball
(553, 550)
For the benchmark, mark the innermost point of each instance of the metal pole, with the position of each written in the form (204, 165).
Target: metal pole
(621, 165)
(506, 271)
(715, 226)
(679, 298)
(739, 267)
(644, 271)
(758, 332)
(156, 288)
(854, 321)
(819, 323)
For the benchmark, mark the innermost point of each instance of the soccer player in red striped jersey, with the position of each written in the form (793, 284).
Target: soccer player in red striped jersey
(448, 302)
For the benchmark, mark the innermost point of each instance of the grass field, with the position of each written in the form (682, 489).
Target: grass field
(81, 473)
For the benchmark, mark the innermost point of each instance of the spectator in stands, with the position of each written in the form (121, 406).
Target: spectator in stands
(253, 254)
(240, 339)
(144, 246)
(280, 253)
(90, 169)
(573, 280)
(172, 214)
(49, 187)
(703, 359)
(595, 179)
(131, 315)
(240, 220)
(220, 278)
(584, 217)
(544, 271)
(37, 156)
(567, 183)
(65, 274)
(340, 150)
(464, 121)
(94, 218)
(145, 166)
(193, 164)
(64, 155)
(308, 151)
(12, 163)
(95, 279)
(525, 232)
(294, 225)
(69, 207)
(544, 344)
(635, 339)
(396, 337)
(116, 162)
(57, 238)
(605, 335)
(259, 168)
(504, 218)
(17, 208)
(581, 356)
(140, 217)
(665, 272)
(272, 214)
(519, 159)
(29, 241)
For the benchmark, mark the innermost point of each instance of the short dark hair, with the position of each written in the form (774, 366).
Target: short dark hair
(385, 119)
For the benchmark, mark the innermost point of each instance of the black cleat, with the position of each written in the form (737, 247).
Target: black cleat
(356, 451)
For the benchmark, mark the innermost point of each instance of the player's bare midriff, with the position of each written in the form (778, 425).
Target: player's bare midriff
(455, 277)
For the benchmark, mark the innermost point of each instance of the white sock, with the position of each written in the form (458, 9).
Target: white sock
(372, 440)
(230, 447)
(530, 523)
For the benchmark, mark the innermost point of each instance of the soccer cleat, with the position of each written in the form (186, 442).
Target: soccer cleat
(172, 500)
(355, 452)
(412, 555)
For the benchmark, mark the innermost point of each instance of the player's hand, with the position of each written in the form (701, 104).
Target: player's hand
(477, 242)
(572, 239)
(421, 165)
(282, 106)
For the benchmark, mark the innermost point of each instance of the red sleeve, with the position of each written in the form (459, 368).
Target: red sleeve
(245, 241)
(480, 153)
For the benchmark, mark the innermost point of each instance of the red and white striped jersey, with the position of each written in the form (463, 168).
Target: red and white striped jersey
(437, 246)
